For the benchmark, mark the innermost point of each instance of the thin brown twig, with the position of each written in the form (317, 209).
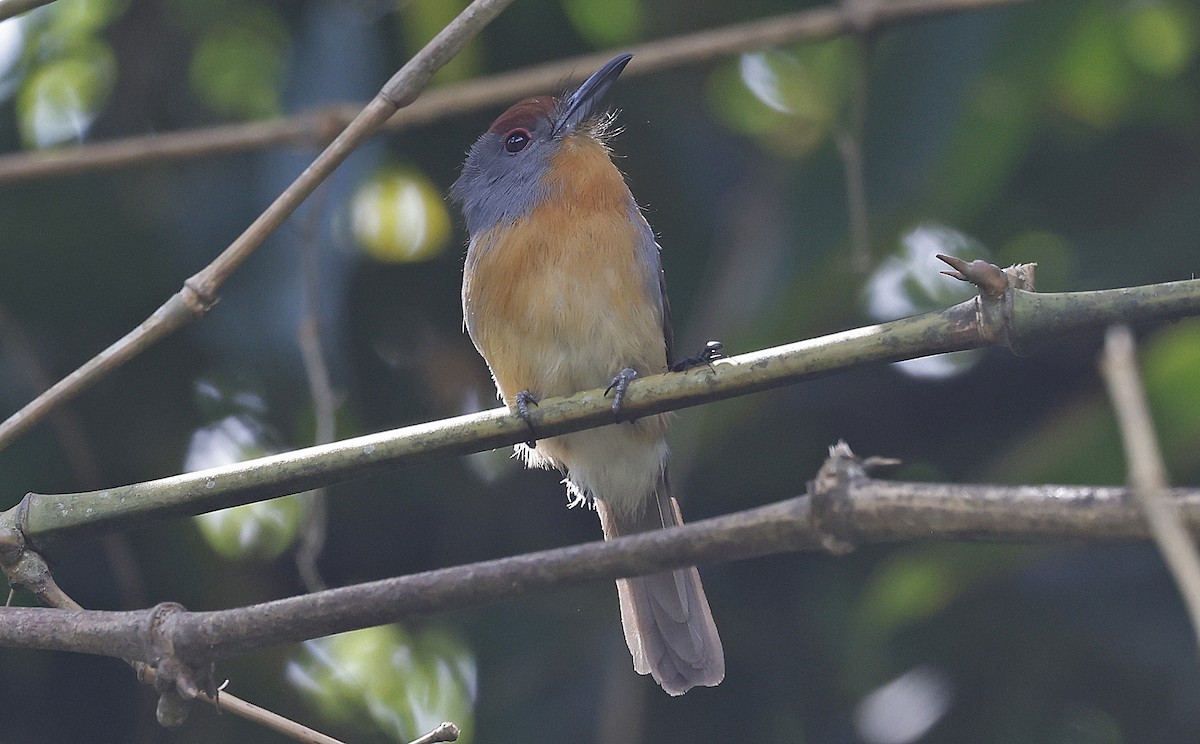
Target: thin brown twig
(850, 147)
(79, 452)
(174, 314)
(1147, 472)
(199, 292)
(229, 703)
(315, 128)
(277, 723)
(311, 539)
(67, 428)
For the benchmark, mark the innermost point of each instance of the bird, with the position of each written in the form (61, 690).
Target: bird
(563, 291)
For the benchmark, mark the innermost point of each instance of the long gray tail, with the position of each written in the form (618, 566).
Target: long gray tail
(668, 626)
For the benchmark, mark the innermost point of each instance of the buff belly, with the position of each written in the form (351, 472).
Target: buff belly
(559, 311)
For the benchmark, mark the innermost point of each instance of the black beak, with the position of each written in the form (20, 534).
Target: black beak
(578, 106)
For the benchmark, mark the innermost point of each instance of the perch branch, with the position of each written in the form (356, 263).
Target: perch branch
(1011, 317)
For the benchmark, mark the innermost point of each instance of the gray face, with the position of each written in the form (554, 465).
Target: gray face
(502, 179)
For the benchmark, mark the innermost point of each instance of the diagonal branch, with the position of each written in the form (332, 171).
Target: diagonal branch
(1147, 472)
(314, 128)
(199, 292)
(1014, 318)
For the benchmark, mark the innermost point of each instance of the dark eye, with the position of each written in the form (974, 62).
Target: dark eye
(516, 140)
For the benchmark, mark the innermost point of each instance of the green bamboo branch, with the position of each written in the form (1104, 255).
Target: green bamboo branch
(1000, 315)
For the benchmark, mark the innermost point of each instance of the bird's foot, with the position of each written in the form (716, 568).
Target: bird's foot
(712, 351)
(617, 387)
(522, 400)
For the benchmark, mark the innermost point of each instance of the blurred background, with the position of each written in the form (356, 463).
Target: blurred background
(1062, 133)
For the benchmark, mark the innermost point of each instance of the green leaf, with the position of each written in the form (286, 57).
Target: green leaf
(387, 680)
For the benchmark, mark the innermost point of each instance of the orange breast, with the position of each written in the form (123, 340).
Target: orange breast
(565, 297)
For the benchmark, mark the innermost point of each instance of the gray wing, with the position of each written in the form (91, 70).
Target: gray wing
(656, 282)
(668, 329)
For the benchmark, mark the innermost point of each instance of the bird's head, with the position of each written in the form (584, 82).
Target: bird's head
(505, 175)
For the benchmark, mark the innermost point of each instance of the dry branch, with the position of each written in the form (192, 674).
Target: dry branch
(199, 292)
(268, 719)
(1147, 472)
(843, 508)
(317, 127)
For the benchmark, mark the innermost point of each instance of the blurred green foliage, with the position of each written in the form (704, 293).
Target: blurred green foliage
(58, 100)
(238, 64)
(788, 100)
(71, 70)
(261, 530)
(607, 22)
(401, 684)
(1062, 133)
(87, 18)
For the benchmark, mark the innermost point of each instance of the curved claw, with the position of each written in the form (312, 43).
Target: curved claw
(522, 401)
(618, 386)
